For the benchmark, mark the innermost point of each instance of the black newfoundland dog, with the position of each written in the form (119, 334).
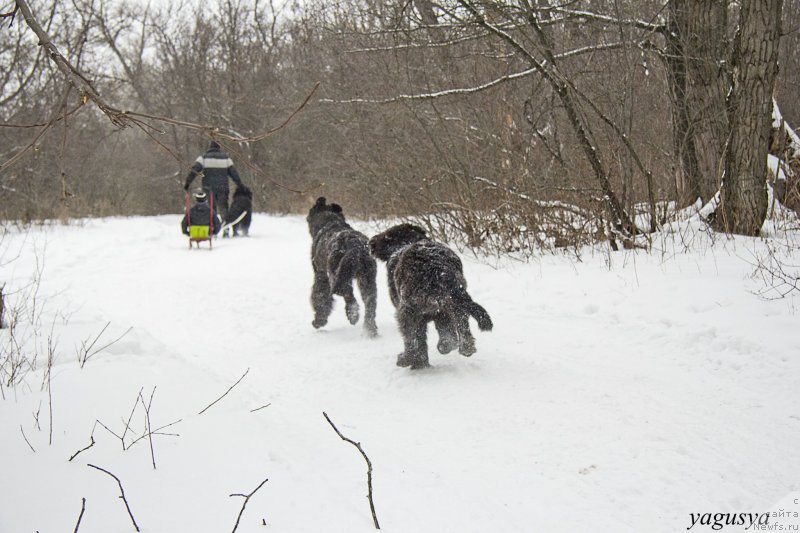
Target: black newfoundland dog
(426, 283)
(339, 254)
(242, 203)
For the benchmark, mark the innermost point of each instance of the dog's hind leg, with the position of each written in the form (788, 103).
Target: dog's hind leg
(350, 303)
(414, 328)
(466, 342)
(448, 337)
(369, 294)
(321, 299)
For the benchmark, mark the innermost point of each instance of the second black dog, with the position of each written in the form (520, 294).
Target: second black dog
(426, 283)
(340, 254)
(242, 203)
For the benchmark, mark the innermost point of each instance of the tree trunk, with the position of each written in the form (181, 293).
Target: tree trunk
(743, 205)
(696, 49)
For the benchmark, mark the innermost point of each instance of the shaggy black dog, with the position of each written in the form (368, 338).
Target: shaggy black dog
(242, 202)
(339, 254)
(426, 283)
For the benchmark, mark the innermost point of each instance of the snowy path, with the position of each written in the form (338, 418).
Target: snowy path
(605, 399)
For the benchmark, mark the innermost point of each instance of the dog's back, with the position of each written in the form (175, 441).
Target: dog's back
(426, 283)
(429, 276)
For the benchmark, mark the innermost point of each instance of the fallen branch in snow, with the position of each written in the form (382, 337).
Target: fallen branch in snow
(26, 438)
(226, 392)
(246, 499)
(130, 417)
(148, 432)
(121, 492)
(157, 431)
(148, 426)
(369, 467)
(260, 408)
(85, 352)
(80, 516)
(778, 273)
(107, 428)
(74, 455)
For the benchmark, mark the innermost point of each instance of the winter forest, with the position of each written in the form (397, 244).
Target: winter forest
(576, 222)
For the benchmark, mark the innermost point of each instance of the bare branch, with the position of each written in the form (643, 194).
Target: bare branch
(74, 77)
(260, 408)
(246, 499)
(39, 134)
(80, 516)
(74, 455)
(149, 427)
(109, 430)
(157, 431)
(429, 96)
(130, 417)
(85, 353)
(121, 491)
(214, 131)
(369, 468)
(226, 392)
(478, 88)
(607, 19)
(57, 119)
(26, 438)
(11, 15)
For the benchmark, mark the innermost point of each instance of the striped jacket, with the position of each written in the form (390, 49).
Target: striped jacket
(216, 167)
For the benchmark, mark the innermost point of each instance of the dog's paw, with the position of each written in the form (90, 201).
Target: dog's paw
(351, 310)
(403, 360)
(415, 363)
(319, 322)
(467, 348)
(370, 332)
(446, 345)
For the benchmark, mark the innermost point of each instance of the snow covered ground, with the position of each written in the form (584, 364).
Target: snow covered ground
(621, 392)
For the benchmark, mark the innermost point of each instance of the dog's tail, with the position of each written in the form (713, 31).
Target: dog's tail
(465, 301)
(354, 262)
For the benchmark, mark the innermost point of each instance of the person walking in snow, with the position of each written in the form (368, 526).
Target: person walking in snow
(216, 167)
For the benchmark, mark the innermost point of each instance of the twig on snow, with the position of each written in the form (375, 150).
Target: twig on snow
(246, 499)
(226, 392)
(108, 429)
(85, 352)
(260, 408)
(149, 427)
(369, 468)
(80, 516)
(121, 492)
(157, 431)
(26, 438)
(74, 455)
(130, 417)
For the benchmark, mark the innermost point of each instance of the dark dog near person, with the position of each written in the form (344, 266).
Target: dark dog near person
(340, 254)
(242, 203)
(426, 283)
